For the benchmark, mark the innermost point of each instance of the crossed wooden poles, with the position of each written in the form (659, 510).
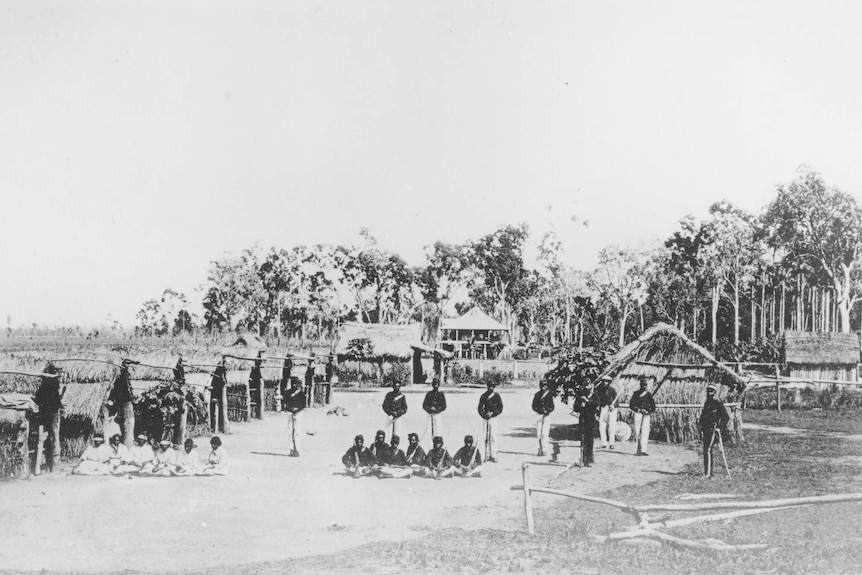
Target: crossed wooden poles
(647, 527)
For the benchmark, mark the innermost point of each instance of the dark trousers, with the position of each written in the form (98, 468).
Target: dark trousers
(217, 415)
(51, 422)
(588, 438)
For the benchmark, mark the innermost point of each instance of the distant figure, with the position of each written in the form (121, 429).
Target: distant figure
(643, 406)
(217, 407)
(358, 460)
(587, 405)
(434, 405)
(713, 419)
(415, 455)
(285, 382)
(255, 386)
(608, 413)
(294, 403)
(217, 461)
(490, 407)
(543, 405)
(180, 372)
(141, 452)
(119, 458)
(94, 460)
(310, 372)
(188, 459)
(330, 369)
(468, 460)
(438, 462)
(165, 463)
(49, 398)
(395, 406)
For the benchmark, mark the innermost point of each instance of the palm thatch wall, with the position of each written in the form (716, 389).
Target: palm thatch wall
(682, 370)
(821, 356)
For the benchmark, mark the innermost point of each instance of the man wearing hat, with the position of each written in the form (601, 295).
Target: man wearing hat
(587, 404)
(608, 412)
(543, 405)
(396, 466)
(490, 407)
(468, 460)
(438, 463)
(294, 403)
(358, 460)
(643, 406)
(49, 398)
(434, 405)
(395, 406)
(713, 418)
(415, 455)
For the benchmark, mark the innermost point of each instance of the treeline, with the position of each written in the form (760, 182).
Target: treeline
(732, 281)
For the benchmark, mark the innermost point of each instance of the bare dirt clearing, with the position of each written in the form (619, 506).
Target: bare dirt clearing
(272, 507)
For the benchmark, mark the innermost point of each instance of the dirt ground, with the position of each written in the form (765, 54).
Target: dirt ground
(272, 507)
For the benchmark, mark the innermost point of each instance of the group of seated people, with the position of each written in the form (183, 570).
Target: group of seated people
(149, 457)
(389, 461)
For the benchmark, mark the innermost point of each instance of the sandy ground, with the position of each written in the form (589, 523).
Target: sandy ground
(272, 507)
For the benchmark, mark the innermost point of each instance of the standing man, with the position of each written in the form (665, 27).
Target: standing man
(713, 419)
(588, 411)
(395, 406)
(608, 413)
(294, 403)
(49, 398)
(543, 405)
(255, 385)
(434, 405)
(218, 417)
(309, 381)
(490, 407)
(643, 406)
(285, 383)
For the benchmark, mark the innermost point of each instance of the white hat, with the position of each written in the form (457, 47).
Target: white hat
(713, 387)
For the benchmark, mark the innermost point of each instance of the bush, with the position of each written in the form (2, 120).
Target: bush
(464, 375)
(400, 373)
(157, 411)
(575, 370)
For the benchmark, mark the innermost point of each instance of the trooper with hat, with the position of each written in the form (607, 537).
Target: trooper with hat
(643, 406)
(713, 419)
(468, 460)
(607, 412)
(438, 463)
(294, 403)
(395, 406)
(358, 460)
(490, 408)
(415, 455)
(543, 405)
(434, 405)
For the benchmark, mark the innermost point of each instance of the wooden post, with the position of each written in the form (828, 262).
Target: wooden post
(222, 411)
(40, 450)
(182, 423)
(777, 389)
(528, 501)
(481, 368)
(248, 401)
(24, 449)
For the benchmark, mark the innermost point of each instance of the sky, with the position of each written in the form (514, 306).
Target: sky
(139, 141)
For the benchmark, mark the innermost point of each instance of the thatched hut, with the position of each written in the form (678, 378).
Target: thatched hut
(821, 356)
(682, 370)
(382, 344)
(16, 412)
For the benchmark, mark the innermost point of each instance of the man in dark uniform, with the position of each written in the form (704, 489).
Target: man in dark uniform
(396, 464)
(438, 463)
(285, 382)
(587, 405)
(490, 407)
(608, 413)
(255, 386)
(294, 403)
(395, 406)
(358, 460)
(643, 406)
(330, 369)
(180, 372)
(218, 416)
(49, 398)
(121, 398)
(309, 381)
(543, 405)
(468, 460)
(713, 420)
(434, 405)
(415, 455)
(380, 449)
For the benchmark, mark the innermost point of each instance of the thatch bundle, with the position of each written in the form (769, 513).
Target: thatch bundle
(682, 370)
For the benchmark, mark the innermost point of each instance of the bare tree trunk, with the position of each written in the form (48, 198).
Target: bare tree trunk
(752, 335)
(783, 297)
(714, 316)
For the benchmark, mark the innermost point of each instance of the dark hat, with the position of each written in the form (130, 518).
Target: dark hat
(468, 439)
(437, 439)
(359, 437)
(413, 436)
(395, 439)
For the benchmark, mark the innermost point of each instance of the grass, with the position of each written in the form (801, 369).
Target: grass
(848, 420)
(817, 539)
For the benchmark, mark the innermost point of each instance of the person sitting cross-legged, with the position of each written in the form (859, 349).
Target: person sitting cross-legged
(217, 461)
(468, 460)
(188, 459)
(358, 460)
(119, 457)
(438, 462)
(415, 456)
(396, 464)
(94, 460)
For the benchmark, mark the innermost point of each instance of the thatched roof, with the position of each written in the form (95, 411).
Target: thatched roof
(86, 399)
(388, 341)
(474, 319)
(820, 348)
(250, 341)
(667, 354)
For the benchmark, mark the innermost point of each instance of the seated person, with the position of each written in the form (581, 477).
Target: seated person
(358, 459)
(119, 457)
(165, 463)
(415, 456)
(142, 452)
(380, 449)
(94, 460)
(188, 459)
(396, 466)
(468, 460)
(438, 462)
(217, 461)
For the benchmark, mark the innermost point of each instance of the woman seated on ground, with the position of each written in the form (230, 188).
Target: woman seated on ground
(216, 463)
(94, 460)
(119, 457)
(142, 452)
(165, 463)
(188, 459)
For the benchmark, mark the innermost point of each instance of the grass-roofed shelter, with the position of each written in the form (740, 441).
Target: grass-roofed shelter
(380, 344)
(682, 370)
(821, 356)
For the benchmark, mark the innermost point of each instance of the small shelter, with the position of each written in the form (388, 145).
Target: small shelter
(380, 344)
(16, 412)
(474, 335)
(821, 356)
(682, 370)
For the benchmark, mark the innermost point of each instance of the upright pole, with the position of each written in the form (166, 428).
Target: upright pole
(777, 389)
(528, 501)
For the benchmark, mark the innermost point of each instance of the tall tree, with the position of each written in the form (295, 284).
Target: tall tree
(621, 279)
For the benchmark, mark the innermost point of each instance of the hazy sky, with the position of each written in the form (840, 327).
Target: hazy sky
(140, 140)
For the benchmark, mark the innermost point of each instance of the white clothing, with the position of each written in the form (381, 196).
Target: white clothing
(641, 431)
(543, 430)
(294, 429)
(491, 430)
(608, 425)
